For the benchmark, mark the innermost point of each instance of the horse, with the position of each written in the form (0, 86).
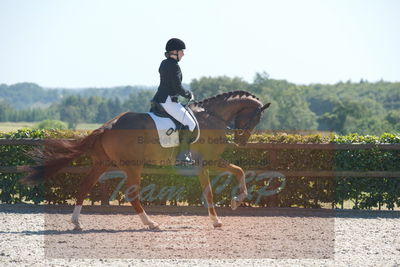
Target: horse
(117, 141)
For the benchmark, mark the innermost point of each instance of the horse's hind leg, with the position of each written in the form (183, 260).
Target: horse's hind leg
(83, 190)
(208, 196)
(99, 166)
(132, 195)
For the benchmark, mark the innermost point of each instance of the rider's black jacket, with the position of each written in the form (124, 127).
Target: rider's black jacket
(170, 82)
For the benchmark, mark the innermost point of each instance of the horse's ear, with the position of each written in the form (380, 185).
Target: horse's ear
(265, 107)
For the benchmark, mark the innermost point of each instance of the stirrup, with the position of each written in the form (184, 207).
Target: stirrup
(186, 161)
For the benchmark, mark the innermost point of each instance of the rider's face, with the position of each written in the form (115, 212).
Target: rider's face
(177, 54)
(181, 53)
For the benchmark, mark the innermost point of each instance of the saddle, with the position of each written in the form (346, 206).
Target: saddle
(159, 111)
(168, 127)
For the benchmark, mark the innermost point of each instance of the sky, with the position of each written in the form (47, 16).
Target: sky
(105, 43)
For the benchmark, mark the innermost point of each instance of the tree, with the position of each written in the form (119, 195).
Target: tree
(393, 117)
(72, 115)
(90, 110)
(103, 113)
(289, 109)
(73, 110)
(207, 86)
(5, 110)
(138, 101)
(51, 124)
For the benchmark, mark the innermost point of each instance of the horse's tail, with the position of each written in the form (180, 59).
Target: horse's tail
(58, 153)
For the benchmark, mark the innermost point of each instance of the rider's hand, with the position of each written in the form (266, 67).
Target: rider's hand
(189, 95)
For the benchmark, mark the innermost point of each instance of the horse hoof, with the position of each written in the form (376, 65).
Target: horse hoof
(154, 227)
(77, 226)
(217, 224)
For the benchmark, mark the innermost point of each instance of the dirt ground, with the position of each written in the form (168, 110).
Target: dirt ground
(113, 236)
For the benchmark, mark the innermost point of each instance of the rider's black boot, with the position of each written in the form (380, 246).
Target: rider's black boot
(184, 156)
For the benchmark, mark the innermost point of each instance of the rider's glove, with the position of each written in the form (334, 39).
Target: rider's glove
(189, 95)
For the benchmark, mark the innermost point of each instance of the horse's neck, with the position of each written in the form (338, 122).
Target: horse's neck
(227, 105)
(227, 110)
(224, 111)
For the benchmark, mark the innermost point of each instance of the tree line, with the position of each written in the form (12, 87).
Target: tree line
(345, 107)
(76, 109)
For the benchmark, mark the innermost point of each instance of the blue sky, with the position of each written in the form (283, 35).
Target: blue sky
(102, 43)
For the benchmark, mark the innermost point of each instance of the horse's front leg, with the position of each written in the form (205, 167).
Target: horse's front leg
(240, 177)
(208, 196)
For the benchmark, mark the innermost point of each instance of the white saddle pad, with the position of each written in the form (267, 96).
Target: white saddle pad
(167, 132)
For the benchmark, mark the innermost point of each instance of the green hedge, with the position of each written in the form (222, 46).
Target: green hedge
(172, 188)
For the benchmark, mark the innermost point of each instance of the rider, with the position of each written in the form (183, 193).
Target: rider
(167, 95)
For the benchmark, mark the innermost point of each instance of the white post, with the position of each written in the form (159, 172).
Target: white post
(76, 213)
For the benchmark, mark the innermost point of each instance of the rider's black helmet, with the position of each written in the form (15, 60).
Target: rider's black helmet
(174, 44)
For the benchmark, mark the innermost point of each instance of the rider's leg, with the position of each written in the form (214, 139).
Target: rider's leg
(184, 155)
(179, 113)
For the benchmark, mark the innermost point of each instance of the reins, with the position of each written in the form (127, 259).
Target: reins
(240, 131)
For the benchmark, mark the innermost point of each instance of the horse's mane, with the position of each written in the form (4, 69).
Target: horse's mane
(224, 97)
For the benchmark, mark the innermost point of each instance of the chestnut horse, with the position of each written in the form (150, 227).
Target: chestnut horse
(127, 139)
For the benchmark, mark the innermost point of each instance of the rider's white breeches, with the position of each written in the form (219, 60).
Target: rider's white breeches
(179, 112)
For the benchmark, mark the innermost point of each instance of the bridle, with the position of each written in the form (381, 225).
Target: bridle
(245, 128)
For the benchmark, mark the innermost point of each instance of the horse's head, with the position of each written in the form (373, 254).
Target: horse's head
(239, 110)
(245, 121)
